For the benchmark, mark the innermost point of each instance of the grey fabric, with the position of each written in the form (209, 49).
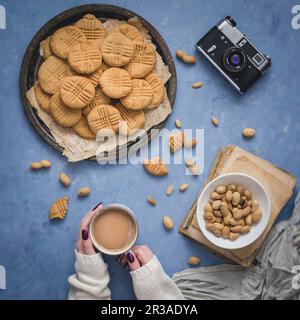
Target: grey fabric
(273, 277)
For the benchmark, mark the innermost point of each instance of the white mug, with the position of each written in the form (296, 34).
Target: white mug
(130, 245)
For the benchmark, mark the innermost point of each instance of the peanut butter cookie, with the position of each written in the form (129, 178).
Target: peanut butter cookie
(117, 50)
(63, 39)
(99, 98)
(140, 96)
(51, 72)
(47, 51)
(158, 90)
(84, 58)
(83, 130)
(155, 167)
(143, 60)
(116, 82)
(104, 117)
(59, 208)
(62, 114)
(95, 77)
(131, 32)
(92, 29)
(134, 119)
(42, 98)
(76, 92)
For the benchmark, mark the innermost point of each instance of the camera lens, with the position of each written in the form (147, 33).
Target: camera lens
(234, 60)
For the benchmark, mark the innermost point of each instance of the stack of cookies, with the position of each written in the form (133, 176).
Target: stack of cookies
(92, 79)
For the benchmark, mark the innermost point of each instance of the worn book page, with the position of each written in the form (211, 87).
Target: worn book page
(77, 148)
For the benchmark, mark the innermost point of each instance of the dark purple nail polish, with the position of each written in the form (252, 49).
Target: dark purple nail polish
(99, 204)
(130, 257)
(85, 234)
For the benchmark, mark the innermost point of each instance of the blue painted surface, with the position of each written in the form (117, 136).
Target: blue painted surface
(38, 255)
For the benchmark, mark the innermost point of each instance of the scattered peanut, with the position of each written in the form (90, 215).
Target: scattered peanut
(188, 144)
(45, 163)
(83, 192)
(151, 201)
(40, 164)
(183, 187)
(176, 141)
(178, 123)
(249, 133)
(170, 190)
(168, 223)
(194, 261)
(197, 85)
(64, 179)
(185, 57)
(192, 167)
(35, 166)
(215, 121)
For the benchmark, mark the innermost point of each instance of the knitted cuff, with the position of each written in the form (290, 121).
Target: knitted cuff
(146, 271)
(89, 262)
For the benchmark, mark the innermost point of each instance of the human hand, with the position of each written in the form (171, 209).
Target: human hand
(84, 243)
(137, 257)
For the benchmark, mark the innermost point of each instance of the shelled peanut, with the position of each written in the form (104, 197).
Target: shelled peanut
(231, 211)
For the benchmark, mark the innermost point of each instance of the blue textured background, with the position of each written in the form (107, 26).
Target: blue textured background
(38, 255)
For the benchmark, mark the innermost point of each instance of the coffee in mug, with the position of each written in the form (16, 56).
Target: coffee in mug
(114, 229)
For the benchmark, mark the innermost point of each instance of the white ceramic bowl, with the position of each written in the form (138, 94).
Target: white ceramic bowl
(259, 193)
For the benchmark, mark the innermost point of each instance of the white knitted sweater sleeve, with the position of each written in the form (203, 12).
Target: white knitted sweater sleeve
(90, 282)
(150, 282)
(91, 279)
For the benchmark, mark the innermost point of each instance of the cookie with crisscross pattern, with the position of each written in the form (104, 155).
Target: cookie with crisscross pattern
(139, 97)
(84, 58)
(62, 114)
(63, 39)
(116, 82)
(155, 167)
(117, 50)
(83, 130)
(143, 60)
(92, 29)
(134, 119)
(158, 88)
(76, 92)
(104, 117)
(51, 72)
(59, 208)
(131, 32)
(99, 98)
(42, 97)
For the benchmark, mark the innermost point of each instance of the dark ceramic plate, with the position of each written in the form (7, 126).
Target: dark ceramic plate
(32, 61)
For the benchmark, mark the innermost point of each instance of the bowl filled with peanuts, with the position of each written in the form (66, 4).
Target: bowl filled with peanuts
(233, 210)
